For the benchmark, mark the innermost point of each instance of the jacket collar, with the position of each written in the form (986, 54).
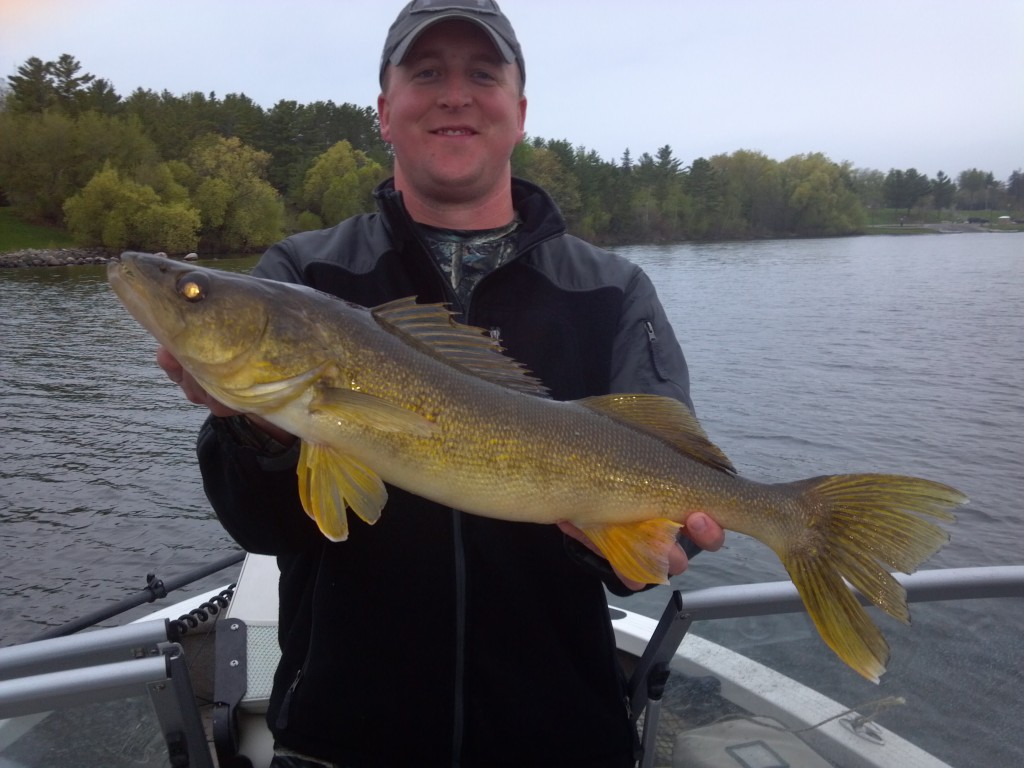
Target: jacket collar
(540, 215)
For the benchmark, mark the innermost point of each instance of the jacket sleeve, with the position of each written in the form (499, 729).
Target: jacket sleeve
(279, 263)
(254, 493)
(646, 357)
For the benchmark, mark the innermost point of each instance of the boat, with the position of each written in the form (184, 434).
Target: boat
(187, 685)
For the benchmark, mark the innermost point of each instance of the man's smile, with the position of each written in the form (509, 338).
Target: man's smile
(453, 131)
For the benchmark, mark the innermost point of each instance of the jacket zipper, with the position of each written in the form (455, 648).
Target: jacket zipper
(458, 706)
(458, 702)
(281, 721)
(652, 349)
(282, 714)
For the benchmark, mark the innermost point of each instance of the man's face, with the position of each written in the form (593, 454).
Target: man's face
(453, 112)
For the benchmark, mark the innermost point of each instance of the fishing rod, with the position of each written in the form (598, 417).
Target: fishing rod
(155, 589)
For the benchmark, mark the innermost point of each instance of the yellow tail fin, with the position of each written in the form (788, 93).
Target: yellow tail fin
(862, 525)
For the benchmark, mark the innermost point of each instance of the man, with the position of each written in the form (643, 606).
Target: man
(435, 637)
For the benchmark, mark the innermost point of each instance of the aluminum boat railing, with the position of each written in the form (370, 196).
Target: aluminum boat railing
(647, 682)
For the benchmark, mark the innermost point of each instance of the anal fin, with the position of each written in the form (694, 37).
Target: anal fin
(638, 551)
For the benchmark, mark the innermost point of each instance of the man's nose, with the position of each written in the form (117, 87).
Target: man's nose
(456, 92)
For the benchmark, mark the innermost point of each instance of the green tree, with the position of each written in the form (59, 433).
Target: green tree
(544, 166)
(170, 227)
(31, 88)
(943, 191)
(45, 158)
(59, 84)
(283, 140)
(673, 204)
(977, 190)
(904, 189)
(753, 202)
(618, 201)
(819, 197)
(69, 86)
(1015, 190)
(869, 186)
(240, 211)
(705, 189)
(297, 134)
(599, 182)
(120, 213)
(340, 184)
(174, 122)
(644, 208)
(238, 115)
(100, 96)
(170, 180)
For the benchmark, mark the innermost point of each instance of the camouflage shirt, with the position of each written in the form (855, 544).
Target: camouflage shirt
(465, 256)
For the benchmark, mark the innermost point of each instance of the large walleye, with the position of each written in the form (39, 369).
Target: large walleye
(402, 394)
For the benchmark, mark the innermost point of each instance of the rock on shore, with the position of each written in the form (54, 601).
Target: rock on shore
(55, 257)
(65, 257)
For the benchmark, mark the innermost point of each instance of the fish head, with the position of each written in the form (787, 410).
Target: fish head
(204, 317)
(231, 331)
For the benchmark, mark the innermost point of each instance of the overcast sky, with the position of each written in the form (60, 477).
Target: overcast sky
(926, 84)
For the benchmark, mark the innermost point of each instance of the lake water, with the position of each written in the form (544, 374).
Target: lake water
(900, 354)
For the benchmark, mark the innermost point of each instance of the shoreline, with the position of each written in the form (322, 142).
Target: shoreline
(77, 257)
(55, 257)
(69, 257)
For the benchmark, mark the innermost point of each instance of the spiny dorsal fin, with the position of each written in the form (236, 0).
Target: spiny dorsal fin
(664, 418)
(464, 346)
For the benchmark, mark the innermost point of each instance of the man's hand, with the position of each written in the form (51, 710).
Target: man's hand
(700, 528)
(196, 394)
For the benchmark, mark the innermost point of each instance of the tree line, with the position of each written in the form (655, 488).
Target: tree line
(177, 173)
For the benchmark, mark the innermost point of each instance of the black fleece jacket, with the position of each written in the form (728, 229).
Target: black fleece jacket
(436, 637)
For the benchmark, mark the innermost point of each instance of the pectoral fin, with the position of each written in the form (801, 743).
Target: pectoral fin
(638, 551)
(348, 405)
(329, 481)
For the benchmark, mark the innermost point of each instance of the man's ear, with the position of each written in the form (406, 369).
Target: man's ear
(384, 117)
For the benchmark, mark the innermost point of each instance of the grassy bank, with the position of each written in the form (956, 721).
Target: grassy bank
(888, 229)
(893, 216)
(16, 234)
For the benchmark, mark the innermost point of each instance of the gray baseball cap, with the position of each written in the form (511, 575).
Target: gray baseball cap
(420, 14)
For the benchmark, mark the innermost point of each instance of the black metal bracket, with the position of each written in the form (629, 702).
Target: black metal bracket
(672, 628)
(229, 686)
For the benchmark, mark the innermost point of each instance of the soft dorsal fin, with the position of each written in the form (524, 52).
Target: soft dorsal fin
(665, 418)
(433, 328)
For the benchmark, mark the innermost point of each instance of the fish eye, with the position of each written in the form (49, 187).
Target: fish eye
(193, 287)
